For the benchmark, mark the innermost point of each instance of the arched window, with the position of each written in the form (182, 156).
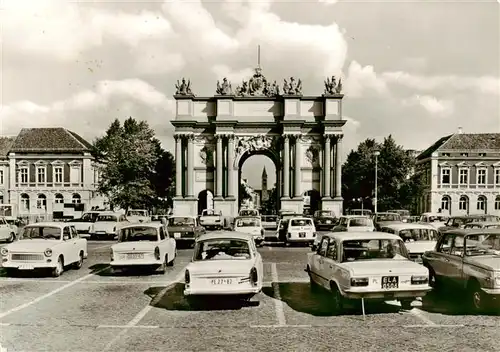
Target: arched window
(481, 203)
(76, 199)
(25, 202)
(445, 203)
(463, 203)
(41, 202)
(497, 203)
(59, 198)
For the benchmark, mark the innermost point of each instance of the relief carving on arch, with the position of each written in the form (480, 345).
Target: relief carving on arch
(207, 155)
(312, 155)
(253, 143)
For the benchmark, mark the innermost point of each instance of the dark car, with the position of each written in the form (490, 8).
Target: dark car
(458, 222)
(405, 214)
(324, 220)
(383, 219)
(184, 229)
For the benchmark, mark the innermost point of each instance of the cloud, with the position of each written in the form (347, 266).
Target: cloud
(328, 2)
(235, 76)
(361, 79)
(433, 105)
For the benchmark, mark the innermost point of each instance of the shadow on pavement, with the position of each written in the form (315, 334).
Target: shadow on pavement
(173, 299)
(300, 297)
(96, 267)
(127, 272)
(450, 302)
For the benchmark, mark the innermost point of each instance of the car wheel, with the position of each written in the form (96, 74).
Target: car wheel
(406, 304)
(338, 299)
(477, 297)
(11, 238)
(79, 263)
(163, 266)
(58, 270)
(171, 263)
(11, 272)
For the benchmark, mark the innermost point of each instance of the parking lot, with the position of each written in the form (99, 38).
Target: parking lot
(92, 310)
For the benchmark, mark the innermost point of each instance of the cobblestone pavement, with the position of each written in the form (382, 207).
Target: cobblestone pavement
(91, 310)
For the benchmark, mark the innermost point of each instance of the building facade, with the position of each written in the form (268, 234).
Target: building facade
(48, 173)
(461, 174)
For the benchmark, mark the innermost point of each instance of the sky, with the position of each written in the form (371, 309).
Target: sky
(415, 69)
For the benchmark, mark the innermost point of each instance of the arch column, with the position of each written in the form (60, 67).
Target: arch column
(220, 160)
(298, 155)
(190, 166)
(230, 167)
(327, 172)
(286, 167)
(178, 166)
(338, 168)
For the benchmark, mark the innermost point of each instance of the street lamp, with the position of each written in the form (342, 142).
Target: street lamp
(377, 153)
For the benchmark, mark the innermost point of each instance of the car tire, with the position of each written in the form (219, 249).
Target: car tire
(79, 263)
(11, 272)
(58, 270)
(171, 263)
(12, 238)
(338, 299)
(163, 266)
(406, 304)
(477, 298)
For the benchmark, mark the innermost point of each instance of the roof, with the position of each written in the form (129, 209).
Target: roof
(142, 224)
(465, 232)
(177, 216)
(224, 234)
(49, 223)
(49, 139)
(483, 223)
(5, 145)
(354, 236)
(405, 225)
(464, 141)
(355, 216)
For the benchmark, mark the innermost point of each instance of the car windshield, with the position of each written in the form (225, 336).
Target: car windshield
(494, 226)
(359, 222)
(324, 213)
(180, 221)
(3, 221)
(354, 250)
(410, 235)
(270, 218)
(301, 222)
(487, 244)
(136, 213)
(90, 216)
(247, 223)
(10, 222)
(388, 217)
(222, 249)
(45, 232)
(107, 218)
(248, 212)
(138, 233)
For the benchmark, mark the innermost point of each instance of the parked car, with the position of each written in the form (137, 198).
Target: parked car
(356, 223)
(185, 229)
(324, 220)
(361, 212)
(418, 238)
(369, 265)
(405, 214)
(138, 215)
(251, 225)
(211, 219)
(159, 218)
(147, 244)
(436, 220)
(249, 212)
(45, 245)
(269, 222)
(224, 263)
(83, 224)
(298, 230)
(460, 221)
(106, 225)
(383, 219)
(468, 260)
(7, 232)
(482, 225)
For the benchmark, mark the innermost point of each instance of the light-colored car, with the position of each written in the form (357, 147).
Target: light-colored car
(369, 265)
(251, 225)
(185, 229)
(249, 212)
(459, 222)
(356, 223)
(360, 212)
(468, 260)
(7, 232)
(436, 220)
(45, 245)
(138, 215)
(269, 222)
(386, 218)
(418, 238)
(146, 244)
(211, 219)
(106, 225)
(299, 230)
(83, 224)
(224, 263)
(482, 225)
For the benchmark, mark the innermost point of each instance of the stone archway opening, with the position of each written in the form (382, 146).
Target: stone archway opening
(205, 200)
(312, 201)
(258, 178)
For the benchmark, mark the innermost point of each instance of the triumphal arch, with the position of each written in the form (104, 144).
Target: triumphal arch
(301, 134)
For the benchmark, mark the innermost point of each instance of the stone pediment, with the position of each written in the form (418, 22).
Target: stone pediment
(444, 164)
(463, 164)
(480, 164)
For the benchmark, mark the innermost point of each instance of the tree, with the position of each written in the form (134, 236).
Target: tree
(269, 205)
(397, 187)
(135, 170)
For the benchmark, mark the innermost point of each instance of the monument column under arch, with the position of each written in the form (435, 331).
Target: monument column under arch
(259, 117)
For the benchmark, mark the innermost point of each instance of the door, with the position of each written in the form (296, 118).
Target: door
(68, 246)
(318, 262)
(440, 259)
(77, 247)
(454, 261)
(330, 266)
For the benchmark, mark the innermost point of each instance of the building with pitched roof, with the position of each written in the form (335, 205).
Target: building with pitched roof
(461, 172)
(48, 173)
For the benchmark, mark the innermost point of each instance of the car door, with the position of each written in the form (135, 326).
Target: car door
(171, 242)
(318, 263)
(330, 266)
(68, 246)
(75, 239)
(164, 243)
(454, 261)
(441, 257)
(257, 262)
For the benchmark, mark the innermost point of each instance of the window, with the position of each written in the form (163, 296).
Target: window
(463, 203)
(222, 249)
(1, 177)
(481, 176)
(323, 247)
(482, 154)
(24, 174)
(58, 174)
(331, 252)
(463, 176)
(497, 203)
(464, 154)
(445, 154)
(25, 202)
(74, 172)
(59, 198)
(481, 203)
(446, 243)
(40, 174)
(41, 202)
(497, 176)
(445, 176)
(66, 232)
(162, 234)
(76, 199)
(445, 203)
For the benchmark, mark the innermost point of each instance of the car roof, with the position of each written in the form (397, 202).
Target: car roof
(179, 216)
(385, 213)
(49, 223)
(435, 214)
(483, 223)
(406, 225)
(375, 235)
(110, 213)
(143, 224)
(224, 234)
(465, 232)
(300, 218)
(355, 216)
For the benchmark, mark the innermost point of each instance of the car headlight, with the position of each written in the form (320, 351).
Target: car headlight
(497, 280)
(4, 251)
(48, 252)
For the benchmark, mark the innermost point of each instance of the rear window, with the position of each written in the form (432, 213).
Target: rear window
(301, 222)
(222, 249)
(107, 218)
(247, 223)
(2, 221)
(388, 217)
(418, 235)
(180, 221)
(137, 213)
(358, 222)
(132, 234)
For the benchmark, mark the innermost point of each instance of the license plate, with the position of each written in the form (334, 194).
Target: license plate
(302, 234)
(100, 231)
(389, 282)
(26, 267)
(135, 256)
(221, 281)
(177, 235)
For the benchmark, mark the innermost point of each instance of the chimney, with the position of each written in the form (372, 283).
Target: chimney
(460, 131)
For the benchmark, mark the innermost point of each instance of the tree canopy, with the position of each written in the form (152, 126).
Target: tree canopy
(398, 187)
(135, 170)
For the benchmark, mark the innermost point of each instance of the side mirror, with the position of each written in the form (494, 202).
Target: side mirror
(65, 238)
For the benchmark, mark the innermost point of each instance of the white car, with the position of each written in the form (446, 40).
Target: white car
(300, 230)
(45, 245)
(143, 245)
(249, 212)
(7, 231)
(251, 226)
(435, 220)
(107, 225)
(224, 263)
(369, 265)
(138, 215)
(355, 223)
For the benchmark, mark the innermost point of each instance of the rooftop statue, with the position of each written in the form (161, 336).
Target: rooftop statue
(224, 88)
(292, 87)
(257, 86)
(332, 87)
(183, 88)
